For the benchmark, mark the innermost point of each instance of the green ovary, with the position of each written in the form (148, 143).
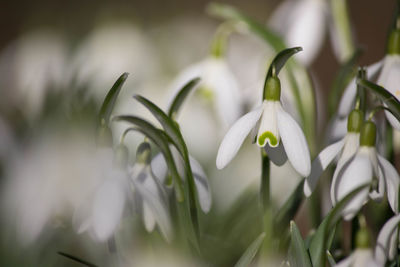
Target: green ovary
(267, 135)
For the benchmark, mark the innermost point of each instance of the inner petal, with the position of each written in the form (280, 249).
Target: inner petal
(268, 132)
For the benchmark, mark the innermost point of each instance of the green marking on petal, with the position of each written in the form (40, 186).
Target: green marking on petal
(267, 135)
(206, 92)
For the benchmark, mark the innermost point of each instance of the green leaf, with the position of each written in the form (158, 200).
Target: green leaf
(167, 123)
(346, 73)
(248, 256)
(181, 96)
(330, 258)
(280, 59)
(74, 258)
(228, 12)
(287, 212)
(111, 97)
(321, 241)
(384, 95)
(298, 254)
(161, 141)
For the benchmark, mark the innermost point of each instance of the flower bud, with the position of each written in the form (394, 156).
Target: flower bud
(355, 121)
(272, 89)
(143, 153)
(368, 134)
(394, 42)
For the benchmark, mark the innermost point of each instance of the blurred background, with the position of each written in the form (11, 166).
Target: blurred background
(58, 59)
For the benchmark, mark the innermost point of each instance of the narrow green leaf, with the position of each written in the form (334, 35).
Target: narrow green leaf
(181, 96)
(298, 254)
(287, 212)
(330, 258)
(166, 122)
(321, 241)
(159, 139)
(248, 256)
(384, 95)
(346, 72)
(111, 97)
(281, 58)
(228, 12)
(74, 258)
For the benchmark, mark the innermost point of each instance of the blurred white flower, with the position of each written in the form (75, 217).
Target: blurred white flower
(302, 23)
(365, 167)
(160, 169)
(343, 150)
(387, 242)
(101, 215)
(218, 83)
(45, 180)
(108, 52)
(33, 64)
(272, 124)
(359, 257)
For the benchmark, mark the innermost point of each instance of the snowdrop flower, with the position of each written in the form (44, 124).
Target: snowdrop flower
(387, 242)
(389, 78)
(160, 169)
(104, 212)
(365, 167)
(33, 64)
(217, 82)
(151, 193)
(277, 132)
(363, 254)
(343, 149)
(302, 23)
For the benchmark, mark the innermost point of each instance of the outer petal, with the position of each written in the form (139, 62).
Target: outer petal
(159, 167)
(276, 154)
(392, 180)
(148, 218)
(108, 207)
(219, 77)
(349, 94)
(294, 142)
(347, 262)
(234, 138)
(202, 186)
(320, 163)
(384, 238)
(158, 209)
(356, 172)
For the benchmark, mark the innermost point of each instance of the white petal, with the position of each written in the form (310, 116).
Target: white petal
(355, 173)
(148, 218)
(189, 73)
(234, 138)
(268, 125)
(219, 78)
(378, 193)
(307, 29)
(319, 164)
(346, 262)
(383, 241)
(349, 94)
(158, 209)
(108, 207)
(392, 180)
(159, 167)
(81, 220)
(276, 154)
(294, 142)
(202, 185)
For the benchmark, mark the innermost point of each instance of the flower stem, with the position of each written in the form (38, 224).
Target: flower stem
(265, 182)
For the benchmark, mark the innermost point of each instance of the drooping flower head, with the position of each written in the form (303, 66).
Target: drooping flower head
(343, 149)
(276, 131)
(365, 167)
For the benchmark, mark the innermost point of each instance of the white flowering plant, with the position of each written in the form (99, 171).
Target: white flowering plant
(127, 182)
